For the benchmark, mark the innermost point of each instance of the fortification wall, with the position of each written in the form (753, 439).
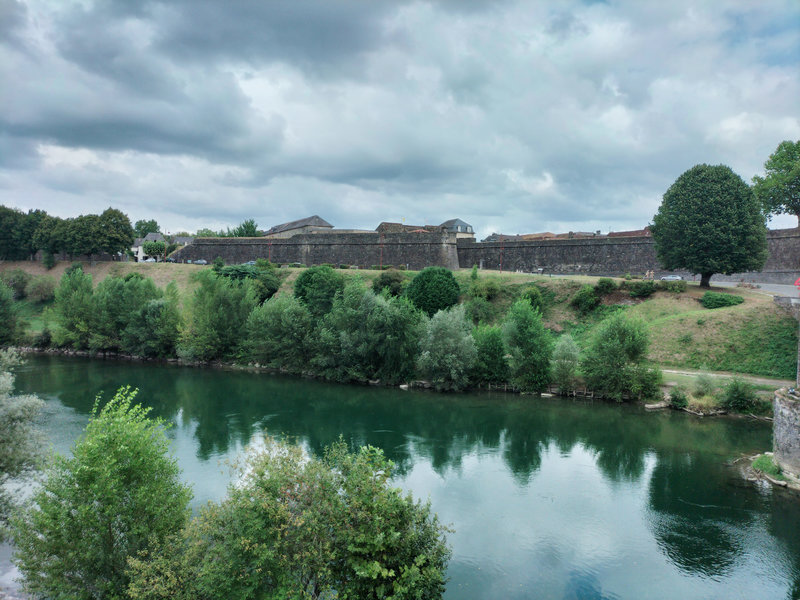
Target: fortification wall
(616, 256)
(416, 251)
(786, 432)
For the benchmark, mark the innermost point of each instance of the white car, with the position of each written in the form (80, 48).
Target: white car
(671, 278)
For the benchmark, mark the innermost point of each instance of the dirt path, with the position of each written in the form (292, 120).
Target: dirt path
(778, 383)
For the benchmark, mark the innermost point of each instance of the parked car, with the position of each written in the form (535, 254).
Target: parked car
(671, 278)
(250, 263)
(170, 259)
(149, 260)
(201, 261)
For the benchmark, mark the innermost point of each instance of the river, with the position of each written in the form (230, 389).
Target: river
(549, 498)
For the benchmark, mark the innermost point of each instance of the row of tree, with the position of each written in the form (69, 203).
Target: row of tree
(345, 332)
(24, 234)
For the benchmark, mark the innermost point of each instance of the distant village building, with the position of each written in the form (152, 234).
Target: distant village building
(387, 227)
(635, 233)
(292, 228)
(138, 244)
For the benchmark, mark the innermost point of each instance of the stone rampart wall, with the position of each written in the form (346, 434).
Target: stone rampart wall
(786, 432)
(593, 256)
(415, 251)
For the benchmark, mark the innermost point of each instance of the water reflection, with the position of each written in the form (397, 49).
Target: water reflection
(553, 496)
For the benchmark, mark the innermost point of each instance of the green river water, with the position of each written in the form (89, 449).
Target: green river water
(549, 498)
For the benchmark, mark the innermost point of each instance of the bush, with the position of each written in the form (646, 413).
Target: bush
(8, 315)
(704, 385)
(480, 310)
(317, 287)
(263, 263)
(391, 280)
(217, 316)
(117, 495)
(279, 334)
(218, 263)
(484, 288)
(720, 300)
(447, 350)
(605, 286)
(153, 329)
(490, 365)
(676, 287)
(433, 289)
(586, 300)
(297, 526)
(73, 308)
(678, 398)
(367, 337)
(564, 364)
(115, 302)
(738, 396)
(641, 289)
(534, 295)
(530, 347)
(614, 364)
(344, 266)
(17, 280)
(48, 260)
(41, 289)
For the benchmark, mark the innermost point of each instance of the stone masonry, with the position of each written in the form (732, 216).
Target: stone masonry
(786, 432)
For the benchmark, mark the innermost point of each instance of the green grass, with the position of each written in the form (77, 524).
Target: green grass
(766, 465)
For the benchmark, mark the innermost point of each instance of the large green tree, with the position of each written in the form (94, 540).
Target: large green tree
(117, 233)
(116, 496)
(779, 190)
(710, 222)
(143, 227)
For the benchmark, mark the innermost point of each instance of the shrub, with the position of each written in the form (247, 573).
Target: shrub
(8, 315)
(115, 302)
(263, 263)
(530, 347)
(720, 300)
(279, 334)
(738, 396)
(704, 385)
(678, 398)
(17, 280)
(676, 287)
(641, 289)
(48, 260)
(605, 286)
(433, 289)
(317, 287)
(614, 364)
(474, 273)
(297, 526)
(586, 300)
(534, 295)
(73, 308)
(344, 266)
(218, 263)
(41, 289)
(447, 350)
(117, 495)
(391, 280)
(480, 310)
(564, 364)
(490, 365)
(217, 316)
(367, 337)
(484, 288)
(153, 329)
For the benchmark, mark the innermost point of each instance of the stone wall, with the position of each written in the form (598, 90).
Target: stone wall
(614, 256)
(786, 432)
(414, 250)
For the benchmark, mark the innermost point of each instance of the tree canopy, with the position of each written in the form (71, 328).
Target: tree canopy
(779, 191)
(142, 227)
(710, 222)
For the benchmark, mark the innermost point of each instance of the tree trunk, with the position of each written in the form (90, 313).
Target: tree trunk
(705, 280)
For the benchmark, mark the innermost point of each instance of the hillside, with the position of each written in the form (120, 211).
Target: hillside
(755, 337)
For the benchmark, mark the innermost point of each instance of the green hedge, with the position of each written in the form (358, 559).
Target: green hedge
(720, 300)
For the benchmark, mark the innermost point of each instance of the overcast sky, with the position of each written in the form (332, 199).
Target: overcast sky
(516, 116)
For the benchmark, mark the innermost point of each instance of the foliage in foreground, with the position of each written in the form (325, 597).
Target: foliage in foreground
(20, 441)
(295, 526)
(118, 495)
(8, 315)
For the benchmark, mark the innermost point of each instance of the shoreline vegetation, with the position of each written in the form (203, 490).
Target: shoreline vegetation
(608, 337)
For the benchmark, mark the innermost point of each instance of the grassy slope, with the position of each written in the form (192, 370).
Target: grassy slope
(755, 337)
